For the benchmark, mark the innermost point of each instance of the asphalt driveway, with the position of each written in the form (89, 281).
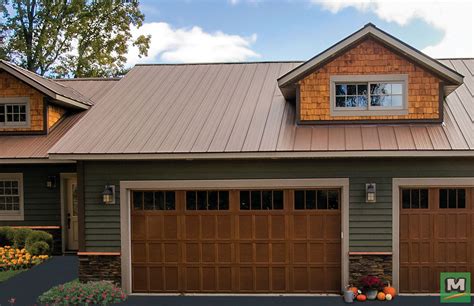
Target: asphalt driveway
(27, 286)
(272, 301)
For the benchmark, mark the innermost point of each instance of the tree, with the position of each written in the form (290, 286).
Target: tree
(72, 38)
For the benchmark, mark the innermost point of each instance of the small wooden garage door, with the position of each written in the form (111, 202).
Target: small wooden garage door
(436, 235)
(247, 241)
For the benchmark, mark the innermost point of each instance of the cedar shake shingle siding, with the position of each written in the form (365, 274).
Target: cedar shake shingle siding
(11, 87)
(367, 58)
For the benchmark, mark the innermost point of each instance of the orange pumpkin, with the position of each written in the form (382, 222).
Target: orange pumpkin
(355, 290)
(381, 296)
(389, 290)
(361, 297)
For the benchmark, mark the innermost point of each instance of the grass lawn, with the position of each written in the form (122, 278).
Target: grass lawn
(4, 275)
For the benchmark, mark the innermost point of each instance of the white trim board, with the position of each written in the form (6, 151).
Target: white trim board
(127, 186)
(414, 182)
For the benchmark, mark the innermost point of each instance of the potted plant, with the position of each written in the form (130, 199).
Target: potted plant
(371, 286)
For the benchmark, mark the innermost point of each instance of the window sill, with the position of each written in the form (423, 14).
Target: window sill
(12, 217)
(367, 113)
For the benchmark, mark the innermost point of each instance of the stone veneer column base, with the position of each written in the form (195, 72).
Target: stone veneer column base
(363, 265)
(100, 267)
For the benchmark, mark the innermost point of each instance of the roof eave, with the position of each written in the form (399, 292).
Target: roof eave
(61, 99)
(263, 155)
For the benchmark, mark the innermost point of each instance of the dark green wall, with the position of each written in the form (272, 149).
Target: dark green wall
(370, 224)
(42, 205)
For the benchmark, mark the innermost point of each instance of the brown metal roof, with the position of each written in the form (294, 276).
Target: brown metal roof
(52, 88)
(37, 146)
(225, 108)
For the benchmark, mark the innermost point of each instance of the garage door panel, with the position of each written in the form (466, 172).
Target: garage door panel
(170, 227)
(138, 228)
(261, 227)
(208, 227)
(154, 227)
(171, 252)
(262, 252)
(279, 277)
(261, 247)
(279, 253)
(246, 278)
(224, 251)
(192, 227)
(245, 227)
(278, 227)
(155, 252)
(156, 279)
(224, 227)
(224, 278)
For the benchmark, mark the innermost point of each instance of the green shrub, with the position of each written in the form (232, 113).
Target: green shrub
(33, 245)
(19, 237)
(38, 248)
(6, 235)
(76, 293)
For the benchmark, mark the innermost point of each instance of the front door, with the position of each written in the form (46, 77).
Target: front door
(71, 214)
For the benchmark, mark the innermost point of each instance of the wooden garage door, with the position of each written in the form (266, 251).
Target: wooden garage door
(436, 235)
(247, 241)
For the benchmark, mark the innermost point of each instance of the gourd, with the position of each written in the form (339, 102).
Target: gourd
(388, 297)
(361, 297)
(381, 296)
(389, 290)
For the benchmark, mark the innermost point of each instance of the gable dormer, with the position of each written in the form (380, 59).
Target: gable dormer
(31, 104)
(369, 77)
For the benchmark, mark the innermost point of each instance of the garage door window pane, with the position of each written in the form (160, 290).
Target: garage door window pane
(149, 200)
(299, 199)
(137, 198)
(317, 199)
(415, 198)
(223, 200)
(170, 200)
(261, 199)
(207, 200)
(452, 198)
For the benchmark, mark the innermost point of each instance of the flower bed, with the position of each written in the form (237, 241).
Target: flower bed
(76, 293)
(16, 259)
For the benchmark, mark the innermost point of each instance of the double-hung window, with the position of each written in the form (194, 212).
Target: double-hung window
(14, 112)
(11, 196)
(369, 95)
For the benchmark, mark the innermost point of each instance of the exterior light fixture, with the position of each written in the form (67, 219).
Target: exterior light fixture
(108, 195)
(51, 182)
(370, 193)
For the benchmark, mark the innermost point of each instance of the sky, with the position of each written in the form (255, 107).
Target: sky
(189, 31)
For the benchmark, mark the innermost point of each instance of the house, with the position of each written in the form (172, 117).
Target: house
(269, 177)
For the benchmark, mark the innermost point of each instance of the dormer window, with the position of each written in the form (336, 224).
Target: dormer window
(14, 112)
(369, 95)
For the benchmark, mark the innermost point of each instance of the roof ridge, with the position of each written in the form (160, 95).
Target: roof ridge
(220, 63)
(88, 79)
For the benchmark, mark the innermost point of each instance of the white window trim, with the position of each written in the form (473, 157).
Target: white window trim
(20, 101)
(19, 215)
(371, 110)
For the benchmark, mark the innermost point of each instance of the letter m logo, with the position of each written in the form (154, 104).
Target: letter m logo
(455, 287)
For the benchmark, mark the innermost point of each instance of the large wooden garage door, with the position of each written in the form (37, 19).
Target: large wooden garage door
(436, 235)
(247, 241)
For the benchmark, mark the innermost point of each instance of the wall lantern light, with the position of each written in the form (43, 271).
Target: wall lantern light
(370, 193)
(108, 195)
(51, 182)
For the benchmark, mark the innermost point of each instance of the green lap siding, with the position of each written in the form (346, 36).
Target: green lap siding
(42, 206)
(370, 224)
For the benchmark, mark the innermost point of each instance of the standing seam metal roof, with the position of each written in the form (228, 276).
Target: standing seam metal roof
(208, 108)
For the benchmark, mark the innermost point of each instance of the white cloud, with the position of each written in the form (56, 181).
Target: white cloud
(453, 17)
(188, 45)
